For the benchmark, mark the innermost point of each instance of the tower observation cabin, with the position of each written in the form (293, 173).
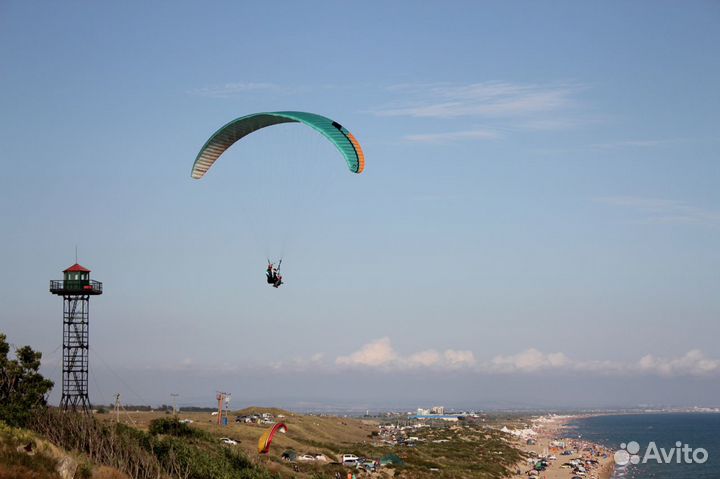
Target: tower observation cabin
(76, 280)
(76, 287)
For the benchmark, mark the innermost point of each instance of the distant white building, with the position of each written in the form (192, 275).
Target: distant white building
(423, 412)
(437, 410)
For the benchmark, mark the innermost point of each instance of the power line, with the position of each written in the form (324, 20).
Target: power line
(117, 376)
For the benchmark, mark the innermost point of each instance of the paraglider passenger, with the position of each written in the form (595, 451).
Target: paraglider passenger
(271, 274)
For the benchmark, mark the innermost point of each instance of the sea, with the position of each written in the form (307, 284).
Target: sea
(658, 437)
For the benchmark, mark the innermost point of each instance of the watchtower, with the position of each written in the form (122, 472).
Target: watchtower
(76, 288)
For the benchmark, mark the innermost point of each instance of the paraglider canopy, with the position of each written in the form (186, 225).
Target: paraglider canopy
(268, 436)
(226, 136)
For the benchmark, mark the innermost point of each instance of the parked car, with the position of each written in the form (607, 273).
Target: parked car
(349, 459)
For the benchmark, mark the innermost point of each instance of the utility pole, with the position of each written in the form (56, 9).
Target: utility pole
(174, 395)
(222, 397)
(117, 408)
(227, 406)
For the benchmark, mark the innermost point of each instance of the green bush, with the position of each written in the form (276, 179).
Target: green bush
(204, 459)
(171, 448)
(22, 388)
(171, 426)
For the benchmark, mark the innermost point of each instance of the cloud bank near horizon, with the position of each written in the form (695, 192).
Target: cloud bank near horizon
(380, 356)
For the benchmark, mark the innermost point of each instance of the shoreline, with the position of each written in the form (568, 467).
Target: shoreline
(547, 437)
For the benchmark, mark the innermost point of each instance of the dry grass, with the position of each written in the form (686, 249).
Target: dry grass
(25, 472)
(317, 434)
(15, 463)
(475, 451)
(305, 433)
(105, 472)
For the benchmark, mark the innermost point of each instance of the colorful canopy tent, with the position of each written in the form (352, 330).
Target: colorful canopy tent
(268, 436)
(226, 136)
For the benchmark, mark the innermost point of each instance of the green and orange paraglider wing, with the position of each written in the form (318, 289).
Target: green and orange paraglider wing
(226, 136)
(268, 436)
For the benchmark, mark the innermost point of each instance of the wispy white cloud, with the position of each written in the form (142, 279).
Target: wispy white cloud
(553, 123)
(638, 202)
(663, 211)
(237, 88)
(452, 136)
(647, 143)
(509, 106)
(485, 99)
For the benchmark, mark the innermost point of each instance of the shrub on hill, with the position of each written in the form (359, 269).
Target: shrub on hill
(15, 462)
(173, 427)
(22, 388)
(174, 450)
(170, 449)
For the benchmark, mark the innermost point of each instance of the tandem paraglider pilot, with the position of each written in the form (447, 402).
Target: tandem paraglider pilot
(273, 275)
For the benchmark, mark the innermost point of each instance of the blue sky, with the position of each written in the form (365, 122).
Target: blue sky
(540, 203)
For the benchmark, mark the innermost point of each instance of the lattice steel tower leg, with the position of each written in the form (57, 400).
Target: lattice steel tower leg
(75, 353)
(76, 290)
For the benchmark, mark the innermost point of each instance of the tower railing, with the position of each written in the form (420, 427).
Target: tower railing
(76, 286)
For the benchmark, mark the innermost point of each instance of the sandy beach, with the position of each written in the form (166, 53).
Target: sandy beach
(548, 438)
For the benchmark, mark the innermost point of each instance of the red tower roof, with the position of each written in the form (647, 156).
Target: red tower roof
(76, 268)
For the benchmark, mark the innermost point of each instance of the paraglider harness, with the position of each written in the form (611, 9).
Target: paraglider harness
(273, 274)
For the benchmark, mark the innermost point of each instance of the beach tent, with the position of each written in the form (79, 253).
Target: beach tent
(391, 460)
(289, 455)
